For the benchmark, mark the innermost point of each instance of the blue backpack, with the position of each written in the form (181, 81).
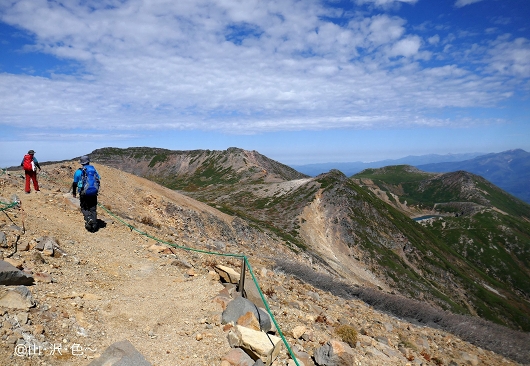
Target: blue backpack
(89, 181)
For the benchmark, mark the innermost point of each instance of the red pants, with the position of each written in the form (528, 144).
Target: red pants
(30, 174)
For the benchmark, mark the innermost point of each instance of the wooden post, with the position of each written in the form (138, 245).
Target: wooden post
(242, 277)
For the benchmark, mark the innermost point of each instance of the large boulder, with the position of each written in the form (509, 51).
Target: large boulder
(334, 353)
(257, 344)
(12, 276)
(239, 307)
(227, 274)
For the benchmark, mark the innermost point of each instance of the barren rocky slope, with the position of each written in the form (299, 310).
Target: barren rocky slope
(115, 284)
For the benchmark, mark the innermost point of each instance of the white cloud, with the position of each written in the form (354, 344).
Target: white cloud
(237, 66)
(511, 57)
(383, 29)
(406, 47)
(434, 39)
(461, 3)
(384, 3)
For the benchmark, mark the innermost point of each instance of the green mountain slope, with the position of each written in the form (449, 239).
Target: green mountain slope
(487, 231)
(509, 170)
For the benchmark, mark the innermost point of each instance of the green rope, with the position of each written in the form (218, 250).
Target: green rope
(241, 256)
(8, 205)
(270, 312)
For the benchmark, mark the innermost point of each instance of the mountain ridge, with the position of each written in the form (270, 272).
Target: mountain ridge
(95, 280)
(355, 227)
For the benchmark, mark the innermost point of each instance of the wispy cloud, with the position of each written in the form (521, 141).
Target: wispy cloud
(461, 3)
(245, 67)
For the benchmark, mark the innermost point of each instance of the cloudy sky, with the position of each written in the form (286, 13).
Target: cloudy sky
(301, 81)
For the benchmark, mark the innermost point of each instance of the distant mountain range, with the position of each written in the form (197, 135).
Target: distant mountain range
(509, 170)
(351, 168)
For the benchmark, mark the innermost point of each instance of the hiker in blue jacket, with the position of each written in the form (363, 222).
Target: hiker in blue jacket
(86, 183)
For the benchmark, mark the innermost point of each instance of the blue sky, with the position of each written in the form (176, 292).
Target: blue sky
(299, 81)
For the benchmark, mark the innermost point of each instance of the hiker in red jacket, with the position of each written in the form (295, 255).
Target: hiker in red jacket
(30, 165)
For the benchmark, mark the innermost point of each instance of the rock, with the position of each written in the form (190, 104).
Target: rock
(249, 320)
(256, 344)
(43, 277)
(88, 296)
(375, 353)
(11, 276)
(295, 305)
(334, 353)
(48, 249)
(37, 258)
(22, 317)
(239, 307)
(18, 298)
(38, 329)
(315, 296)
(213, 276)
(219, 245)
(17, 263)
(222, 300)
(227, 274)
(120, 354)
(156, 248)
(470, 359)
(22, 247)
(252, 293)
(303, 358)
(181, 263)
(309, 336)
(298, 331)
(237, 357)
(58, 252)
(46, 245)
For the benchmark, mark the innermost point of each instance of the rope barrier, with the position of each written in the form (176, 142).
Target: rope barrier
(240, 256)
(8, 205)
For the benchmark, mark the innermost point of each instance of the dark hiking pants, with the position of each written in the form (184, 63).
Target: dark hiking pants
(88, 208)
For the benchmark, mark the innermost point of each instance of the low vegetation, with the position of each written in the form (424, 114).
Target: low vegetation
(347, 334)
